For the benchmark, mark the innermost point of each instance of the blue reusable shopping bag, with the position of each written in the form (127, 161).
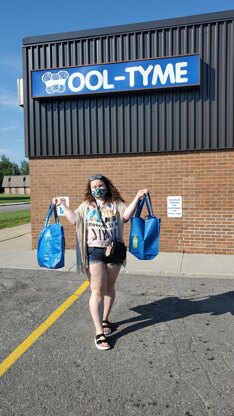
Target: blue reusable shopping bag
(144, 232)
(51, 242)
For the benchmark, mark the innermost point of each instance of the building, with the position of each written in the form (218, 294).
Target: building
(148, 104)
(16, 185)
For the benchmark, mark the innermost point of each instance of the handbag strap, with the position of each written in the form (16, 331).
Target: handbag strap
(52, 209)
(145, 200)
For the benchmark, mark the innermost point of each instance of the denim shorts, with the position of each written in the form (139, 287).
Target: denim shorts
(97, 255)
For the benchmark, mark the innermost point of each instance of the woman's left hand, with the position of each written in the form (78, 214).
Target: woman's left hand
(141, 193)
(132, 207)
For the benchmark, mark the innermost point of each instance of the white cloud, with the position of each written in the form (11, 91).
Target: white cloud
(12, 126)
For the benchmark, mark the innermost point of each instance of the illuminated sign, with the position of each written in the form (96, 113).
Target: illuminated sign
(180, 71)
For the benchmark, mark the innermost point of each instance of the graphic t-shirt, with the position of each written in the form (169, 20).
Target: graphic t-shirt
(98, 235)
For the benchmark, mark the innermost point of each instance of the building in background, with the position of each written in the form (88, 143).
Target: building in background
(148, 105)
(13, 185)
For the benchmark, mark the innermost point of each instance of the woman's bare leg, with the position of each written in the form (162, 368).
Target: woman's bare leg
(112, 274)
(97, 275)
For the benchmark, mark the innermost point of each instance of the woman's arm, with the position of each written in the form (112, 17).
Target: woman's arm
(130, 210)
(69, 214)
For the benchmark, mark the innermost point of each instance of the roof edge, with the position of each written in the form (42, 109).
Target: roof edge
(132, 27)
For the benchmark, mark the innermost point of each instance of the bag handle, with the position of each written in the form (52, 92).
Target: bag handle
(145, 200)
(52, 209)
(151, 206)
(140, 206)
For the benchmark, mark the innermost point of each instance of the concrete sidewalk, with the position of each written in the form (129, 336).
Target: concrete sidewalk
(16, 253)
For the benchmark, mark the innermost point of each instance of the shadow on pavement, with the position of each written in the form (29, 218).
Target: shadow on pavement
(172, 308)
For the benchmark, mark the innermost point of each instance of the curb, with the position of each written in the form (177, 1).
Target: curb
(15, 203)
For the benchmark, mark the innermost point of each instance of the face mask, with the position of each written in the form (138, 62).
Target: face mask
(99, 193)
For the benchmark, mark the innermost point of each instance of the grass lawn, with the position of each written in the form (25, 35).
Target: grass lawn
(9, 199)
(11, 219)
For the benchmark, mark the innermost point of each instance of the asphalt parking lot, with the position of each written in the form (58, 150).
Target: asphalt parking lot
(172, 351)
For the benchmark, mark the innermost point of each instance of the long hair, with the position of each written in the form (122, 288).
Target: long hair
(112, 195)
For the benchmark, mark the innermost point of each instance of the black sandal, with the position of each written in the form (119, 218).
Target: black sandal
(106, 325)
(99, 341)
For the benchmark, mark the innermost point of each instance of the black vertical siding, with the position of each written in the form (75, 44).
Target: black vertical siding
(197, 118)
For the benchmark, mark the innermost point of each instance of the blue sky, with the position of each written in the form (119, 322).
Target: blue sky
(24, 18)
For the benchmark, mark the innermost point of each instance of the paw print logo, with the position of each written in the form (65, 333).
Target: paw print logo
(55, 82)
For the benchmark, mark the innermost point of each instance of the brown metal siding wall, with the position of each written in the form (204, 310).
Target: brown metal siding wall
(160, 121)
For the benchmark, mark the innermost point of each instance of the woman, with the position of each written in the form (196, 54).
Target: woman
(98, 220)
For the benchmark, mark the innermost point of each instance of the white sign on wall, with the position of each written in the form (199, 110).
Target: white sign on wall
(174, 206)
(59, 208)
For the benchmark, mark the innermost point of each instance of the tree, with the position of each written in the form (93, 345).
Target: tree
(7, 167)
(24, 167)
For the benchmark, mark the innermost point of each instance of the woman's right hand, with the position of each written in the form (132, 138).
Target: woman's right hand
(58, 201)
(69, 214)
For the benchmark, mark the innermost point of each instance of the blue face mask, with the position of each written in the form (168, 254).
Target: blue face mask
(99, 193)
